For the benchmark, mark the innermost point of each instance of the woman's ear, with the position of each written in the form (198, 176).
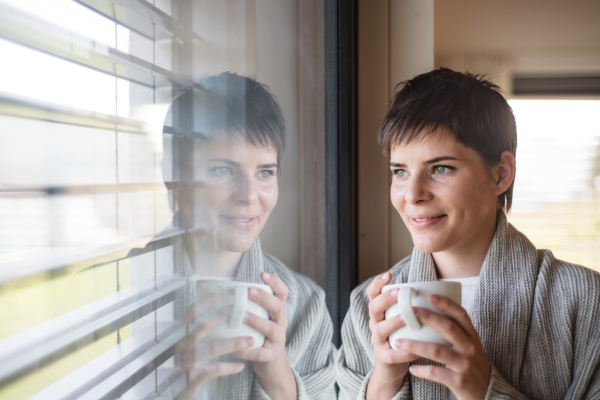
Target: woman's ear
(504, 172)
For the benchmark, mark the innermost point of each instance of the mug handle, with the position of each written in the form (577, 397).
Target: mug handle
(405, 295)
(239, 307)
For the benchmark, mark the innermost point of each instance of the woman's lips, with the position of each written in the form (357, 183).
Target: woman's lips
(239, 222)
(426, 222)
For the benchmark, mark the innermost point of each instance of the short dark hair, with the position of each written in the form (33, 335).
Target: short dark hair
(470, 106)
(239, 106)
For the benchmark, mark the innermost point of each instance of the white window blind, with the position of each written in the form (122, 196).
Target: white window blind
(85, 89)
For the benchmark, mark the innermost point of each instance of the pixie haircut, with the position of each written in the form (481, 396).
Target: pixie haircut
(239, 107)
(469, 106)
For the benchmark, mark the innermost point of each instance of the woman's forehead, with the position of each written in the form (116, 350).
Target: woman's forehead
(427, 143)
(238, 149)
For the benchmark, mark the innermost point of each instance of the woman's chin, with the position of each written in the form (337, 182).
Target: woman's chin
(237, 245)
(430, 244)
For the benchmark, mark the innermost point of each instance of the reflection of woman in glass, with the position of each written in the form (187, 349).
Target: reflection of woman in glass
(238, 164)
(529, 323)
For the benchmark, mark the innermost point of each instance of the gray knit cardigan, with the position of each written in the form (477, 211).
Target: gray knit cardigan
(309, 348)
(538, 319)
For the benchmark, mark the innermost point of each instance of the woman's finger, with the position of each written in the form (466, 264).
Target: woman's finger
(391, 356)
(280, 290)
(374, 288)
(206, 372)
(380, 303)
(447, 327)
(430, 351)
(261, 354)
(455, 312)
(264, 326)
(445, 376)
(388, 326)
(273, 304)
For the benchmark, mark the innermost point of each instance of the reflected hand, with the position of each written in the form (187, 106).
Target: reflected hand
(390, 365)
(270, 361)
(194, 354)
(467, 372)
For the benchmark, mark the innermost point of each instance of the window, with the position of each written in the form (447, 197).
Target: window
(99, 169)
(556, 194)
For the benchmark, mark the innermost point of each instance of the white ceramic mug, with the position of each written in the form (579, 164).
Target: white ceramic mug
(416, 294)
(234, 294)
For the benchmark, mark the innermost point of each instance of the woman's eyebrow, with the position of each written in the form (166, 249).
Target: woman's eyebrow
(224, 160)
(272, 165)
(438, 159)
(432, 161)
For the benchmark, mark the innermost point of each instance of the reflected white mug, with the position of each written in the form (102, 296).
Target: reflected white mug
(416, 294)
(235, 294)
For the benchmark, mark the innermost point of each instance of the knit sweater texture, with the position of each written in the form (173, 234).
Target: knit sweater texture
(309, 348)
(538, 319)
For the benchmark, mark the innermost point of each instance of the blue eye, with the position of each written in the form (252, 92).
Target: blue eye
(221, 171)
(265, 174)
(401, 173)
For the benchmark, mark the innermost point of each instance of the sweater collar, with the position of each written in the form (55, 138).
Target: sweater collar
(251, 264)
(503, 300)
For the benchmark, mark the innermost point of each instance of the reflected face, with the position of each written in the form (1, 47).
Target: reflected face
(241, 190)
(443, 192)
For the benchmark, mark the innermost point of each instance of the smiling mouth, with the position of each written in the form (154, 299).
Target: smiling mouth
(238, 222)
(422, 223)
(428, 218)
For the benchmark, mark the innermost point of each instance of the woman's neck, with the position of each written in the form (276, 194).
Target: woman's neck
(466, 260)
(208, 260)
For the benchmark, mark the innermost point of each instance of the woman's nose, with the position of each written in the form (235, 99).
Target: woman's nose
(416, 190)
(245, 191)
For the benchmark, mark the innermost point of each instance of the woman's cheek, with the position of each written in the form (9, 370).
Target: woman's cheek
(397, 196)
(268, 198)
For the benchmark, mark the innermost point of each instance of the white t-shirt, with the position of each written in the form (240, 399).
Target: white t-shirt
(466, 301)
(468, 290)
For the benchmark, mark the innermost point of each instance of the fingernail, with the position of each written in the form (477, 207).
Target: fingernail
(250, 341)
(399, 343)
(394, 293)
(400, 317)
(266, 276)
(253, 292)
(416, 310)
(435, 298)
(245, 317)
(385, 276)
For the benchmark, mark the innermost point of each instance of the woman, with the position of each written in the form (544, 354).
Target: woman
(237, 163)
(529, 328)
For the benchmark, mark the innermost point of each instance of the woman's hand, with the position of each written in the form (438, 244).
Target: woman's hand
(194, 354)
(270, 362)
(390, 365)
(467, 372)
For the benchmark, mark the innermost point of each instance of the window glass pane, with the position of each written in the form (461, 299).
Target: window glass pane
(157, 158)
(556, 187)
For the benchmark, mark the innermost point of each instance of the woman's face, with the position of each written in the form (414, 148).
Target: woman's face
(240, 191)
(444, 193)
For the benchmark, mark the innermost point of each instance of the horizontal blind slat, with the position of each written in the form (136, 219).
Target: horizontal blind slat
(36, 33)
(139, 16)
(105, 252)
(26, 352)
(76, 384)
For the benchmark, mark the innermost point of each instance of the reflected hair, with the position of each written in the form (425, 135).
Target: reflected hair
(239, 107)
(470, 106)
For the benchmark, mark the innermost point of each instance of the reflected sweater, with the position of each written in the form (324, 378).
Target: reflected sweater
(309, 348)
(538, 319)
